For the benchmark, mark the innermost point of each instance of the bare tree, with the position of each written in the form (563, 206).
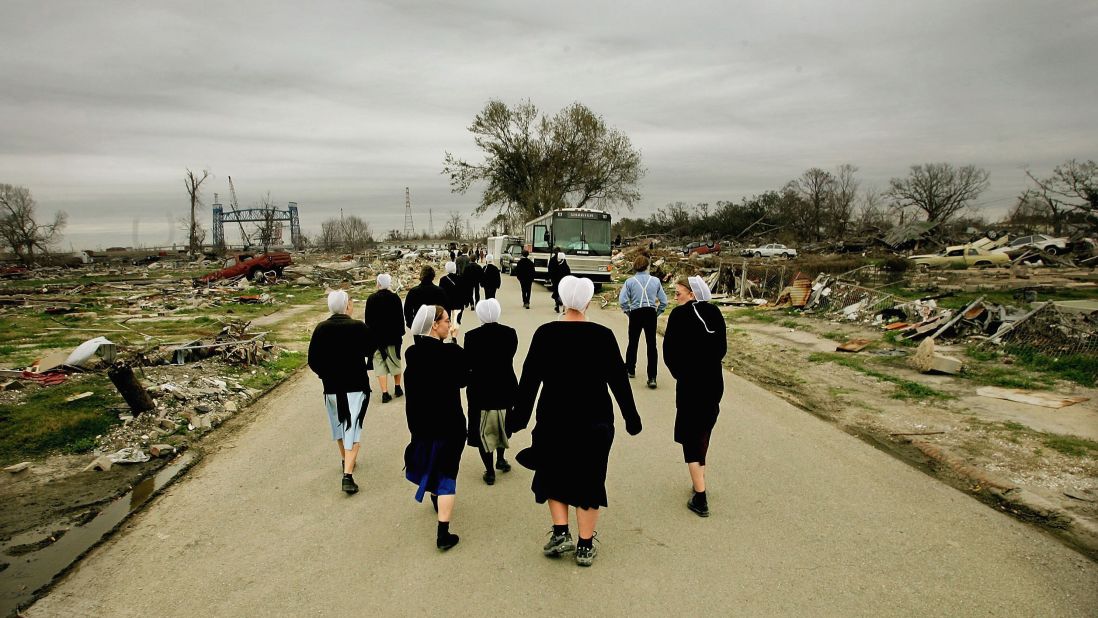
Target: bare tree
(356, 234)
(268, 229)
(844, 194)
(19, 228)
(815, 187)
(872, 213)
(331, 235)
(939, 190)
(454, 227)
(193, 184)
(1073, 186)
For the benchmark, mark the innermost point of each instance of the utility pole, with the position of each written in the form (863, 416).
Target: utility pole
(430, 222)
(409, 229)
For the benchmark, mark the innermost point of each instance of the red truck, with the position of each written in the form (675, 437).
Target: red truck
(250, 265)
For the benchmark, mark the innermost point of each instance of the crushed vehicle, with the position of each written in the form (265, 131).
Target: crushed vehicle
(702, 248)
(961, 256)
(1048, 244)
(771, 250)
(253, 266)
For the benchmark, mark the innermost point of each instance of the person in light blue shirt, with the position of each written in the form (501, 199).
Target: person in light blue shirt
(642, 299)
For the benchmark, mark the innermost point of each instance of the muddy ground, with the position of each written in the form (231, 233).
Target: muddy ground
(991, 448)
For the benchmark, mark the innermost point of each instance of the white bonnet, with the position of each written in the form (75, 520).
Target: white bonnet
(576, 292)
(488, 310)
(700, 289)
(337, 301)
(424, 320)
(384, 280)
(451, 268)
(490, 258)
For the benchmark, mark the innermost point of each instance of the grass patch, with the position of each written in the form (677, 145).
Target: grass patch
(835, 335)
(271, 372)
(1071, 445)
(790, 324)
(1006, 377)
(44, 422)
(905, 389)
(1078, 368)
(897, 340)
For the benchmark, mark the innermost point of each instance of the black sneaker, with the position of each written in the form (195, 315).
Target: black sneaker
(446, 542)
(526, 306)
(399, 391)
(349, 484)
(490, 477)
(652, 383)
(558, 544)
(702, 510)
(386, 398)
(502, 465)
(586, 555)
(632, 374)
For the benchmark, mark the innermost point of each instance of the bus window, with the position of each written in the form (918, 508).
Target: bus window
(541, 237)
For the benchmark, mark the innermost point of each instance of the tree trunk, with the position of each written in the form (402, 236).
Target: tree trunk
(131, 390)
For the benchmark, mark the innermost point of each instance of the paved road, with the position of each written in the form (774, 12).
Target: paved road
(807, 521)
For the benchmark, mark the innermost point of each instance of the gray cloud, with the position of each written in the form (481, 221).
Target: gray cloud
(343, 104)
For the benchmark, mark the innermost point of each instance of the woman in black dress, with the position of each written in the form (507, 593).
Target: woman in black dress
(694, 345)
(571, 440)
(490, 279)
(456, 294)
(491, 351)
(557, 270)
(435, 374)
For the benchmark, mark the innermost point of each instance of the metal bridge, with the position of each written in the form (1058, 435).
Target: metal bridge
(260, 215)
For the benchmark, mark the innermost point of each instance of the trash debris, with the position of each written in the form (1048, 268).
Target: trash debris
(926, 360)
(129, 454)
(135, 395)
(19, 467)
(853, 345)
(78, 396)
(99, 346)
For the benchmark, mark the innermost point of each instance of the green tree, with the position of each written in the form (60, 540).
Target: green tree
(534, 163)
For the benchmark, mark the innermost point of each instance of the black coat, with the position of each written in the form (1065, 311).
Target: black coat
(694, 345)
(570, 442)
(490, 279)
(385, 317)
(454, 289)
(434, 375)
(523, 269)
(426, 293)
(557, 270)
(340, 352)
(492, 383)
(472, 277)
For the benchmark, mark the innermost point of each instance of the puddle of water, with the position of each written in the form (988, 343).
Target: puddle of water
(30, 573)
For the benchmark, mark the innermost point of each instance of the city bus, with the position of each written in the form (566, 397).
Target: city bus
(584, 236)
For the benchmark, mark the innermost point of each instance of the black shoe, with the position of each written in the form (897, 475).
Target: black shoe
(399, 392)
(447, 541)
(558, 544)
(502, 465)
(349, 484)
(526, 306)
(586, 555)
(702, 510)
(386, 398)
(632, 374)
(651, 382)
(490, 477)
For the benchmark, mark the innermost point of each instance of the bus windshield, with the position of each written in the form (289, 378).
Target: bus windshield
(582, 236)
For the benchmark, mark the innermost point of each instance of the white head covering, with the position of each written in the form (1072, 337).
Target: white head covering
(451, 268)
(700, 289)
(488, 310)
(424, 320)
(560, 256)
(490, 258)
(337, 301)
(576, 292)
(384, 280)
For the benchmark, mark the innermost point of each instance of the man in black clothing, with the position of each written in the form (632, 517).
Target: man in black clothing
(490, 280)
(426, 293)
(471, 277)
(384, 317)
(340, 352)
(523, 270)
(558, 269)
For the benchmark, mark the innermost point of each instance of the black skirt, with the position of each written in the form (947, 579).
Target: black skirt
(576, 475)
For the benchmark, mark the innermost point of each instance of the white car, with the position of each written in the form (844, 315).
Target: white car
(772, 250)
(1022, 244)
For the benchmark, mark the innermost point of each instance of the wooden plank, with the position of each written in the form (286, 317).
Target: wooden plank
(1036, 398)
(854, 345)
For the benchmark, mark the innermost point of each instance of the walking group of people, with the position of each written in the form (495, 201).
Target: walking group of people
(573, 416)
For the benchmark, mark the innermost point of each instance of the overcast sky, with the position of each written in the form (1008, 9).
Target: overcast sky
(341, 105)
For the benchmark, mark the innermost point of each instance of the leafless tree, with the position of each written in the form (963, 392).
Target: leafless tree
(356, 233)
(872, 213)
(19, 228)
(1072, 186)
(331, 235)
(815, 187)
(841, 201)
(268, 230)
(454, 227)
(193, 184)
(939, 190)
